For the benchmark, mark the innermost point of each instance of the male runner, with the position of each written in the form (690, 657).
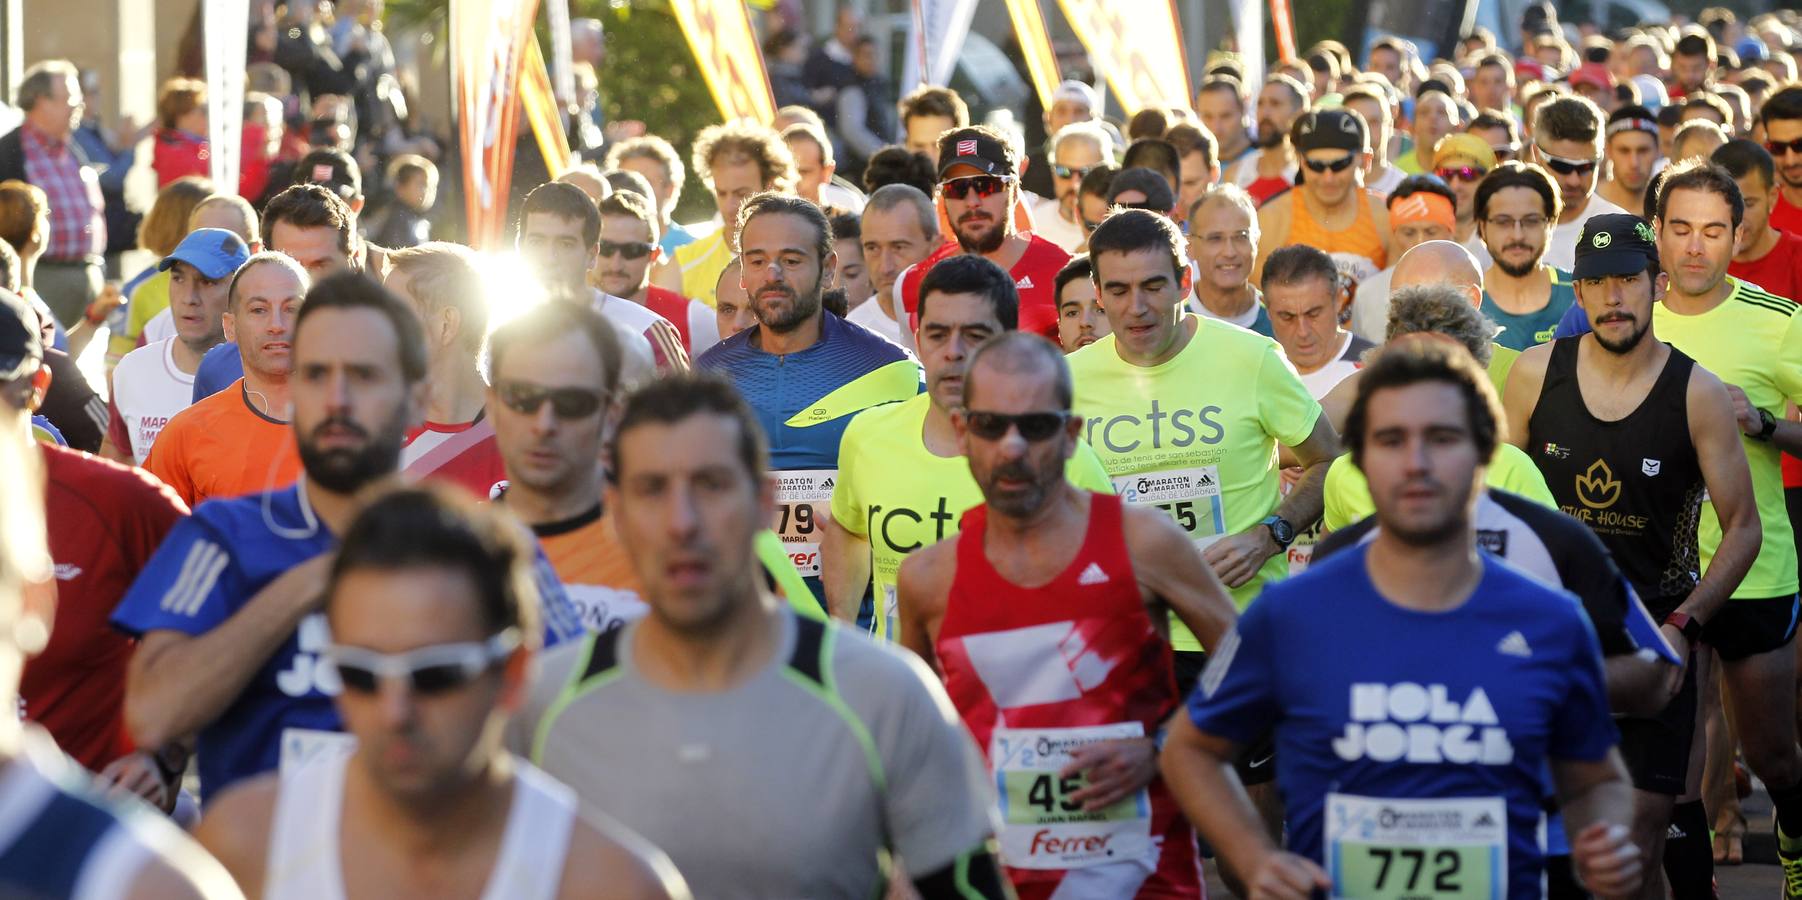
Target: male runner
(1301, 288)
(899, 228)
(735, 160)
(1631, 435)
(1074, 150)
(1080, 321)
(902, 479)
(1089, 817)
(767, 754)
(1567, 139)
(1782, 119)
(1768, 256)
(1631, 146)
(1220, 103)
(804, 372)
(1330, 209)
(732, 306)
(979, 184)
(434, 627)
(237, 441)
(456, 441)
(1418, 770)
(1421, 209)
(63, 838)
(623, 261)
(1223, 242)
(1517, 207)
(1270, 168)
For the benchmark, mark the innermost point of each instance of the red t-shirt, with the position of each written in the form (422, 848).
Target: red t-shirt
(1035, 276)
(104, 521)
(1776, 271)
(671, 306)
(1264, 190)
(463, 454)
(1786, 216)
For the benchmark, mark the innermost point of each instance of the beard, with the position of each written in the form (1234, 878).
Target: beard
(1518, 270)
(801, 307)
(1020, 502)
(345, 470)
(982, 244)
(1624, 345)
(1270, 136)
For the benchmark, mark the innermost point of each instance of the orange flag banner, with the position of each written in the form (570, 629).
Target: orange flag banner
(538, 101)
(1140, 46)
(726, 48)
(489, 41)
(1035, 42)
(1283, 23)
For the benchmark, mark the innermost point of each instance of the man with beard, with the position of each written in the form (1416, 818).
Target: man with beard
(1330, 210)
(804, 372)
(1629, 433)
(232, 640)
(237, 441)
(900, 227)
(1632, 150)
(1515, 207)
(1043, 564)
(979, 184)
(1270, 169)
(1567, 140)
(734, 160)
(1782, 118)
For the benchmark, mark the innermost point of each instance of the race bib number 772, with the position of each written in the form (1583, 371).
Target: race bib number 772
(1449, 849)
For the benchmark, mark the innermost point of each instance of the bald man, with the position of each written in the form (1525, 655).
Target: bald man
(1432, 262)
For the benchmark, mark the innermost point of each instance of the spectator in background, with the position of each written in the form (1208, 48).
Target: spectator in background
(829, 67)
(404, 221)
(181, 135)
(784, 55)
(264, 131)
(898, 165)
(928, 112)
(42, 152)
(654, 158)
(147, 292)
(866, 108)
(304, 49)
(113, 153)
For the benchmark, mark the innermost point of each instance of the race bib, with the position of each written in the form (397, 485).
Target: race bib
(303, 745)
(1379, 849)
(803, 501)
(1041, 827)
(1190, 496)
(604, 609)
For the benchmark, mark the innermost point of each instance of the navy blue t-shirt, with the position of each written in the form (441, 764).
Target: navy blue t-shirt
(219, 369)
(1574, 323)
(1371, 701)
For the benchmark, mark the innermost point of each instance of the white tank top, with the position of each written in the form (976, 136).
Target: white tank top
(303, 840)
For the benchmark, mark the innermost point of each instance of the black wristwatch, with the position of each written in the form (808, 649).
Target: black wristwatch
(1280, 531)
(1689, 625)
(1770, 425)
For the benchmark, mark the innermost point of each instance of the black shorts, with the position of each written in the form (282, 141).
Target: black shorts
(1656, 749)
(1745, 628)
(1257, 761)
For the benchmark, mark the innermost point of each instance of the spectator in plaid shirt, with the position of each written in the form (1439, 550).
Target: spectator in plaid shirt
(41, 151)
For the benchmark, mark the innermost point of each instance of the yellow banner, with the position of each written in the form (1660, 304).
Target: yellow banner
(1035, 43)
(488, 47)
(1139, 45)
(538, 100)
(726, 50)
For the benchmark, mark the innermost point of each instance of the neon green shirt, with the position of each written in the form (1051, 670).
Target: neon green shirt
(1347, 494)
(1197, 435)
(150, 297)
(1501, 362)
(1753, 339)
(900, 496)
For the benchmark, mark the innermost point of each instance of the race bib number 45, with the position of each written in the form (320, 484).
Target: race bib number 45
(1190, 496)
(1379, 849)
(803, 501)
(1042, 828)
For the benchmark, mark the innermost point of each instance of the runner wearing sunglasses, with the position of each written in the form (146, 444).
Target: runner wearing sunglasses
(1044, 567)
(1077, 148)
(978, 185)
(768, 754)
(1567, 141)
(1782, 118)
(434, 626)
(1330, 209)
(623, 260)
(1461, 161)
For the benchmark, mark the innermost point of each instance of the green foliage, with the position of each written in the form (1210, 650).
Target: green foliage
(1315, 21)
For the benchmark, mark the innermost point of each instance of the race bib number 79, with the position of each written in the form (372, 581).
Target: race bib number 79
(803, 501)
(1379, 849)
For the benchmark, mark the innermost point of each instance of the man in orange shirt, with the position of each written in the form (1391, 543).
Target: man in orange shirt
(238, 441)
(1330, 209)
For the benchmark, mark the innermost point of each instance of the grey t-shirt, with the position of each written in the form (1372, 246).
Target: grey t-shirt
(788, 785)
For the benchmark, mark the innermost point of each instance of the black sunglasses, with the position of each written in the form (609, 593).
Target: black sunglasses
(1337, 165)
(629, 249)
(1565, 166)
(1034, 426)
(1063, 171)
(983, 185)
(1778, 148)
(567, 403)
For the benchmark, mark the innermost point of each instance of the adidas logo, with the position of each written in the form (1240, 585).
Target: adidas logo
(67, 571)
(1092, 575)
(1514, 645)
(1675, 833)
(1025, 283)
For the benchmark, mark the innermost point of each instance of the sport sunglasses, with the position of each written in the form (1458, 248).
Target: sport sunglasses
(1778, 148)
(628, 249)
(1334, 165)
(1063, 171)
(567, 403)
(983, 185)
(1463, 173)
(426, 671)
(1034, 426)
(1566, 166)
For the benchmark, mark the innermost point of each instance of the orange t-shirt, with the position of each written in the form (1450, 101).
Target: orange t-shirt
(223, 447)
(594, 568)
(1358, 251)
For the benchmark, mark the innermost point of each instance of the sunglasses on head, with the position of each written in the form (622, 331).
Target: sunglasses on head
(426, 671)
(983, 185)
(628, 249)
(1336, 165)
(1063, 171)
(1564, 166)
(567, 403)
(1466, 173)
(1778, 148)
(1034, 426)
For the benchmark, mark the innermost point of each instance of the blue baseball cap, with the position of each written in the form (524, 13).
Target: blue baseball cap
(216, 252)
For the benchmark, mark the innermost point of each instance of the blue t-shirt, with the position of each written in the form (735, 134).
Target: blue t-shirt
(674, 236)
(219, 369)
(1574, 323)
(1521, 332)
(1369, 699)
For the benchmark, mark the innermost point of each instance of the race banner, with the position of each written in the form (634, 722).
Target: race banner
(1283, 23)
(726, 50)
(1035, 44)
(489, 41)
(1248, 39)
(563, 74)
(538, 100)
(1139, 45)
(937, 37)
(226, 23)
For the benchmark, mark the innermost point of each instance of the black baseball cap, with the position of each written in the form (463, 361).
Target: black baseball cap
(1615, 244)
(21, 346)
(1330, 129)
(974, 147)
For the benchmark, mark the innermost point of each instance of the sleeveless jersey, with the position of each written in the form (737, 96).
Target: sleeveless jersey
(1635, 482)
(303, 837)
(1357, 251)
(1036, 672)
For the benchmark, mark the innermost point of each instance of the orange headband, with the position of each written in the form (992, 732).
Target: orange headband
(1423, 206)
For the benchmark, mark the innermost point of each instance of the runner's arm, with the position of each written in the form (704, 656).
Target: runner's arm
(1174, 572)
(177, 683)
(1236, 558)
(235, 829)
(1597, 801)
(844, 569)
(921, 588)
(974, 875)
(1724, 470)
(1526, 379)
(1273, 228)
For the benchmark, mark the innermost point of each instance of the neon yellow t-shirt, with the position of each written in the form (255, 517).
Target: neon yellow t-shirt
(702, 262)
(1501, 362)
(774, 555)
(1197, 435)
(899, 496)
(1347, 494)
(1753, 339)
(150, 297)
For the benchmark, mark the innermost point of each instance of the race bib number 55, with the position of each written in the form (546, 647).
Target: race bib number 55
(803, 501)
(1379, 849)
(1190, 496)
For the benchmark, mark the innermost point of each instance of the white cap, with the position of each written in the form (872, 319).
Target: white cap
(1651, 92)
(1071, 89)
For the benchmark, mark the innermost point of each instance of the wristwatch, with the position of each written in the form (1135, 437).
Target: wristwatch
(1770, 425)
(1280, 531)
(1686, 623)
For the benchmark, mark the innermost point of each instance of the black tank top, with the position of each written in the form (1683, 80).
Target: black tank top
(1635, 482)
